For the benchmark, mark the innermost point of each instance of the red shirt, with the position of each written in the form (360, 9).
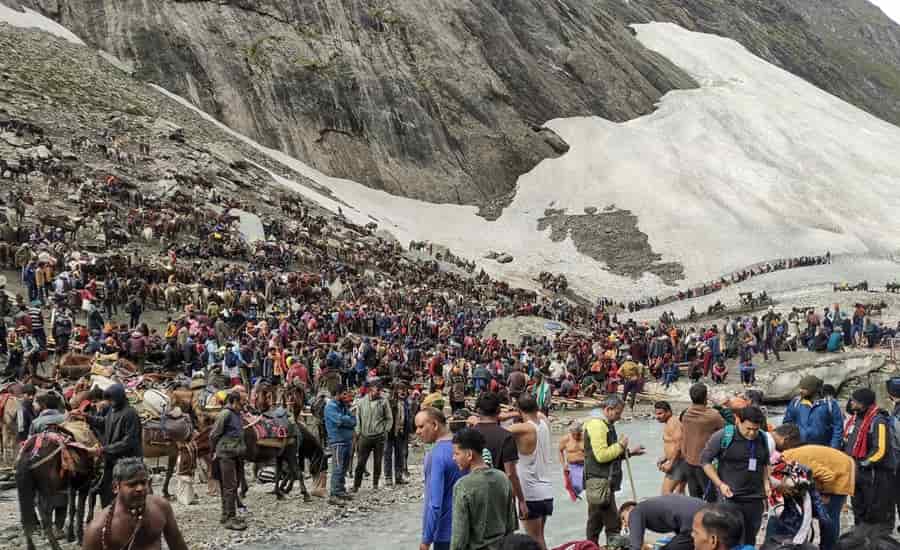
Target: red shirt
(298, 371)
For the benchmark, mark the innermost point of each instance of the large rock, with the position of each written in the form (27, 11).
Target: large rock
(443, 99)
(514, 329)
(780, 384)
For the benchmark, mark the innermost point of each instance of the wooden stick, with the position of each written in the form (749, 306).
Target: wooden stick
(630, 477)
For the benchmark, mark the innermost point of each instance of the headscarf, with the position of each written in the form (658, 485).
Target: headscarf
(116, 395)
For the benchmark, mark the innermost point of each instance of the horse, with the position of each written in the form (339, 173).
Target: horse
(170, 449)
(310, 449)
(284, 453)
(74, 365)
(9, 407)
(48, 465)
(294, 400)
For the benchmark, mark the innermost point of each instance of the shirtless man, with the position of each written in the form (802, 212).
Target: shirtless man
(571, 456)
(671, 463)
(134, 520)
(532, 437)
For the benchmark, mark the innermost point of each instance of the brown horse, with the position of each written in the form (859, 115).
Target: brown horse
(294, 400)
(47, 466)
(171, 450)
(9, 407)
(74, 365)
(284, 454)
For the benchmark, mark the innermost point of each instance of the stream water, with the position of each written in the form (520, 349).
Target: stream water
(400, 527)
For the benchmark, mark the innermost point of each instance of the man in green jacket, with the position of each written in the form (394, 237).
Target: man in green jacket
(374, 421)
(484, 510)
(227, 437)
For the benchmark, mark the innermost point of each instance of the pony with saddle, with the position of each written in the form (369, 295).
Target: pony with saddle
(59, 459)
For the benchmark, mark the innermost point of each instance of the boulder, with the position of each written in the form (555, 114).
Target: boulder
(514, 329)
(834, 369)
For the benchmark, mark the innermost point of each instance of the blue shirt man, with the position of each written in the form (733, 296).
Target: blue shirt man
(441, 474)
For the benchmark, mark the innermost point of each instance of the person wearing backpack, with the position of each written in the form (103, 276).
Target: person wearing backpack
(867, 439)
(742, 474)
(818, 417)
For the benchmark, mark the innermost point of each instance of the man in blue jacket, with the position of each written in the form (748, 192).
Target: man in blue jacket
(339, 425)
(819, 418)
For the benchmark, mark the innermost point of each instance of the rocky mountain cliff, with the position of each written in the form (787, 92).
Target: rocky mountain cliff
(444, 100)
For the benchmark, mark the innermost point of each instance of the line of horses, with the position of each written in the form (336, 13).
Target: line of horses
(60, 460)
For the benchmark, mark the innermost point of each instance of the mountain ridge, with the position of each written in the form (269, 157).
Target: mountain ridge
(443, 101)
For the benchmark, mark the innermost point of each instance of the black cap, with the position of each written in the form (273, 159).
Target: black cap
(893, 387)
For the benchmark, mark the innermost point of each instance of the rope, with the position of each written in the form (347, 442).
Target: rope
(47, 458)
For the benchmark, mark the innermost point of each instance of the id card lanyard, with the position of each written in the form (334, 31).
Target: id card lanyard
(751, 463)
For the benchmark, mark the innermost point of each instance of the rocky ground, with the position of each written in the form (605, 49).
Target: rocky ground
(268, 519)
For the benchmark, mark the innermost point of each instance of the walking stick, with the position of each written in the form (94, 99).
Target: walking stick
(630, 477)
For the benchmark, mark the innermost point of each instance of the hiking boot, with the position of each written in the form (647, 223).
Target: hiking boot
(234, 524)
(335, 501)
(401, 481)
(388, 482)
(345, 497)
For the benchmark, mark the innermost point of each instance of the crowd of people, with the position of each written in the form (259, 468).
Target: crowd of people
(386, 346)
(727, 280)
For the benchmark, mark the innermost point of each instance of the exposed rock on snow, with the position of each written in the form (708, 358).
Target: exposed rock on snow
(611, 237)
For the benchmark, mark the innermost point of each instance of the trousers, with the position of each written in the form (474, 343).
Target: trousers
(229, 481)
(697, 483)
(873, 501)
(395, 455)
(340, 463)
(365, 446)
(603, 516)
(831, 529)
(752, 512)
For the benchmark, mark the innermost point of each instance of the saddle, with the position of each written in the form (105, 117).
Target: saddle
(173, 427)
(272, 428)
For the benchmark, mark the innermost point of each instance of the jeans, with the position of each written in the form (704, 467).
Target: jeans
(831, 529)
(340, 457)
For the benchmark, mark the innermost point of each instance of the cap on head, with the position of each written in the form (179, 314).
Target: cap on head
(893, 387)
(810, 383)
(864, 396)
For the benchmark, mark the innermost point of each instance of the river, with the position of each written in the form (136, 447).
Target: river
(401, 527)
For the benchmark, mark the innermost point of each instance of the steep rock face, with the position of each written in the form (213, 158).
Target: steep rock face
(443, 100)
(435, 99)
(866, 44)
(849, 48)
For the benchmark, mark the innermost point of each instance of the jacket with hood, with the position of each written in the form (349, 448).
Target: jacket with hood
(121, 426)
(821, 422)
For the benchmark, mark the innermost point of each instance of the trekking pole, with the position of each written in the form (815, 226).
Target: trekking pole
(630, 477)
